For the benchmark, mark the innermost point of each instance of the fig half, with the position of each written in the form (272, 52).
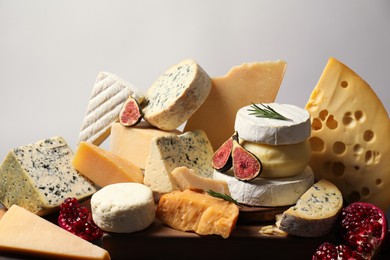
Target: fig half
(131, 113)
(222, 158)
(246, 165)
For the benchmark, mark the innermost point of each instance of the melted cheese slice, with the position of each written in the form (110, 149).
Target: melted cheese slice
(23, 232)
(350, 136)
(257, 82)
(104, 167)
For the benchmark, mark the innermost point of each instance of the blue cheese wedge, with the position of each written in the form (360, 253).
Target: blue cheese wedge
(267, 192)
(315, 212)
(176, 95)
(39, 176)
(107, 98)
(274, 131)
(191, 149)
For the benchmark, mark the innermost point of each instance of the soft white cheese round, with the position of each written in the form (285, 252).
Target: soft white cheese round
(123, 207)
(274, 131)
(280, 161)
(268, 192)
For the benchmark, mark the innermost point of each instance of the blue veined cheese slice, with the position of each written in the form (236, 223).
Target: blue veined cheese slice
(274, 131)
(39, 176)
(268, 192)
(176, 95)
(107, 98)
(191, 149)
(315, 212)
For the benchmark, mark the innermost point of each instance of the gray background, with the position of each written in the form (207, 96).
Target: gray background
(52, 51)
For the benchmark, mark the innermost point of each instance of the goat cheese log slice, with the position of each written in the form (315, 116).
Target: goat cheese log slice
(315, 212)
(273, 131)
(107, 98)
(267, 192)
(350, 136)
(191, 149)
(197, 212)
(23, 232)
(123, 207)
(176, 95)
(39, 176)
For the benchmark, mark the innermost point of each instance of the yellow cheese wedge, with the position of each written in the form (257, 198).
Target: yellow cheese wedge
(350, 136)
(23, 232)
(198, 212)
(187, 179)
(103, 167)
(257, 82)
(133, 143)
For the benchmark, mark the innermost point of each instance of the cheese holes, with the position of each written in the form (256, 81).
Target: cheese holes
(344, 84)
(316, 124)
(365, 191)
(316, 144)
(378, 182)
(339, 148)
(348, 119)
(323, 114)
(371, 157)
(368, 135)
(331, 123)
(358, 149)
(359, 116)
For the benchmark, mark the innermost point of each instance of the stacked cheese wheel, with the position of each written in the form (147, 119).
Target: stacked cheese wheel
(283, 149)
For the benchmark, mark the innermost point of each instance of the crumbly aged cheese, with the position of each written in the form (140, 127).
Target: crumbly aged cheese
(176, 95)
(268, 192)
(280, 161)
(133, 143)
(123, 207)
(104, 167)
(186, 179)
(350, 136)
(315, 212)
(191, 149)
(107, 98)
(23, 232)
(256, 82)
(40, 176)
(273, 131)
(198, 212)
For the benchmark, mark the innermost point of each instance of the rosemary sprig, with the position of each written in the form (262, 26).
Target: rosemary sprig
(266, 112)
(222, 196)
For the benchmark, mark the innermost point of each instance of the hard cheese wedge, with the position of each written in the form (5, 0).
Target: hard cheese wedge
(39, 177)
(350, 136)
(103, 167)
(198, 212)
(257, 82)
(191, 149)
(133, 143)
(23, 232)
(107, 98)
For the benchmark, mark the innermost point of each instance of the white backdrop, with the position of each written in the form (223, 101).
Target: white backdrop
(51, 51)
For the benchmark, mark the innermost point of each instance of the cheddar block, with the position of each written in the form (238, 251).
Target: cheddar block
(107, 98)
(350, 136)
(23, 232)
(103, 167)
(257, 82)
(133, 143)
(186, 179)
(198, 212)
(176, 95)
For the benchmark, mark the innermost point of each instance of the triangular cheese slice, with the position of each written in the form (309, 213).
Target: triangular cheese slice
(257, 82)
(350, 136)
(23, 232)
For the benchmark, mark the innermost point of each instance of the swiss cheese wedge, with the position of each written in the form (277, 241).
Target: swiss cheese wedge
(350, 136)
(23, 232)
(257, 82)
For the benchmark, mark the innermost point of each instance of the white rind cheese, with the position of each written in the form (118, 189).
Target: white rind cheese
(191, 149)
(274, 131)
(176, 95)
(107, 98)
(123, 207)
(40, 176)
(315, 212)
(268, 192)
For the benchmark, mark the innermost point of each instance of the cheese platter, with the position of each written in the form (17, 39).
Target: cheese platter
(273, 178)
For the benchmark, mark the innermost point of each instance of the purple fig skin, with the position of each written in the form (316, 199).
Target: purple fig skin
(222, 158)
(131, 113)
